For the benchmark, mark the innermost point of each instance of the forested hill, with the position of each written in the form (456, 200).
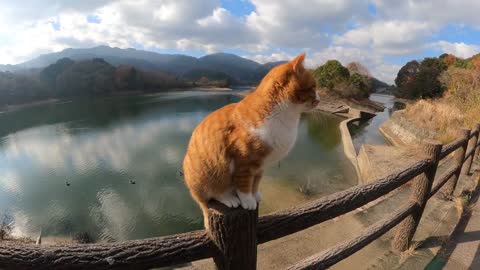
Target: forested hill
(101, 71)
(223, 66)
(104, 71)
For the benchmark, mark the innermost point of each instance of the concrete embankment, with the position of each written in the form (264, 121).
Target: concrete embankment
(352, 115)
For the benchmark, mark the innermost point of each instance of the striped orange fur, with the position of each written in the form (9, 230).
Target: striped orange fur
(231, 147)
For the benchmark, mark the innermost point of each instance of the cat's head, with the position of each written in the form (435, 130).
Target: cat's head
(291, 82)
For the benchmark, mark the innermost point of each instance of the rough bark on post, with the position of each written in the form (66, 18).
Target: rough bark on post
(234, 232)
(450, 186)
(472, 145)
(477, 152)
(420, 191)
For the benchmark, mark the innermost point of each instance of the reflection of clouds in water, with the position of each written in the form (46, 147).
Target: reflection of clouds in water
(56, 151)
(171, 154)
(22, 223)
(113, 147)
(113, 215)
(9, 182)
(172, 202)
(27, 223)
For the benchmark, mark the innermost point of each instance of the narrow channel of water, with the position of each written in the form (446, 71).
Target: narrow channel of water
(368, 132)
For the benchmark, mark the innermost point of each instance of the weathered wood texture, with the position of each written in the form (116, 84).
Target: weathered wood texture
(282, 223)
(137, 254)
(343, 250)
(450, 186)
(449, 148)
(234, 232)
(477, 151)
(467, 160)
(443, 180)
(473, 147)
(420, 192)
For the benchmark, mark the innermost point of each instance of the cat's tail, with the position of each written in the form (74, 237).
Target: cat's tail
(204, 207)
(203, 203)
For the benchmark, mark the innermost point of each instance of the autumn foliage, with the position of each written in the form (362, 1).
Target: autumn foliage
(454, 83)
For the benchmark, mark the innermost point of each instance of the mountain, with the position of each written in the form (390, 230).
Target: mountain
(234, 68)
(262, 70)
(115, 56)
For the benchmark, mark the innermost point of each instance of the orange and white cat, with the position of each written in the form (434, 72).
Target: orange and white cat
(231, 147)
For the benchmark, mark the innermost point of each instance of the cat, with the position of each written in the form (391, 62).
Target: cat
(229, 150)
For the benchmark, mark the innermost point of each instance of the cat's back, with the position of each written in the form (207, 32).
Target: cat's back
(216, 123)
(207, 149)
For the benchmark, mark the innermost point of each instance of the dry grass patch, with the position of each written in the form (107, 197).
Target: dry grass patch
(443, 119)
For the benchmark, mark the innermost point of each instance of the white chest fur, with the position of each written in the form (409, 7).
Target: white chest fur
(279, 131)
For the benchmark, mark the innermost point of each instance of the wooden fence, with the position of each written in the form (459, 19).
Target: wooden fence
(235, 233)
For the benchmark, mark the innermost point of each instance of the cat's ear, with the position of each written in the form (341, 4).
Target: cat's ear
(298, 63)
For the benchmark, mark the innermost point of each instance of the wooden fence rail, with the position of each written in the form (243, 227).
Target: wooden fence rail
(235, 233)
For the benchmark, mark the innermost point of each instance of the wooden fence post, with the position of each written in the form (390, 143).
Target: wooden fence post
(234, 232)
(477, 152)
(450, 186)
(473, 145)
(420, 191)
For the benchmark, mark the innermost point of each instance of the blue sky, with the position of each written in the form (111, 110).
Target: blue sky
(381, 34)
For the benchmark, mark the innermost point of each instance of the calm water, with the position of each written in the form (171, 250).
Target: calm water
(368, 132)
(69, 168)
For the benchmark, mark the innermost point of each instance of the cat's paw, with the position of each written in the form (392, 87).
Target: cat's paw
(229, 200)
(258, 196)
(247, 201)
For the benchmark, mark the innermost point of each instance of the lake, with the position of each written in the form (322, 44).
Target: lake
(111, 167)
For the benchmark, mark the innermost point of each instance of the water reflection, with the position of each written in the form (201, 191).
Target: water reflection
(367, 132)
(99, 147)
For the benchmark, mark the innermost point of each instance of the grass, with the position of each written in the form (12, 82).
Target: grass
(463, 204)
(411, 251)
(440, 118)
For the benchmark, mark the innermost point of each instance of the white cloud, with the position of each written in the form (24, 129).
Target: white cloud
(389, 37)
(274, 57)
(286, 27)
(180, 24)
(433, 12)
(289, 23)
(458, 49)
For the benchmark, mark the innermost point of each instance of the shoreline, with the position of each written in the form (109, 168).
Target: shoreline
(14, 107)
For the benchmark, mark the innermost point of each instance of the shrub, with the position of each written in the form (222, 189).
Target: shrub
(337, 78)
(331, 74)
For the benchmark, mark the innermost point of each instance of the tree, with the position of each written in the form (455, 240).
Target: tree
(421, 80)
(448, 59)
(127, 78)
(476, 61)
(86, 78)
(355, 67)
(361, 85)
(51, 72)
(330, 74)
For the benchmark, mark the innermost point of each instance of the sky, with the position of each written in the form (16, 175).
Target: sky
(381, 34)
